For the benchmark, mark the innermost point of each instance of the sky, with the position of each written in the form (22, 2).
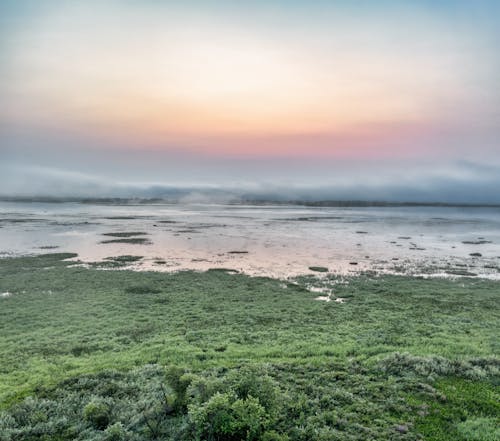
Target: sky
(394, 100)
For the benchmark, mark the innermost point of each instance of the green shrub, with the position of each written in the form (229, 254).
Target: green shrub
(97, 413)
(7, 425)
(142, 289)
(435, 366)
(115, 432)
(274, 436)
(250, 381)
(203, 387)
(226, 418)
(479, 429)
(179, 381)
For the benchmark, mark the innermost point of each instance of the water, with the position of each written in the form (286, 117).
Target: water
(277, 241)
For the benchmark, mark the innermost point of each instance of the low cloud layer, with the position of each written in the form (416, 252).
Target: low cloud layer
(462, 182)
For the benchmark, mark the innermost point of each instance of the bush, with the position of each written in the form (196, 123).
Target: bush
(435, 366)
(97, 413)
(239, 406)
(250, 381)
(179, 381)
(226, 418)
(274, 436)
(479, 429)
(115, 432)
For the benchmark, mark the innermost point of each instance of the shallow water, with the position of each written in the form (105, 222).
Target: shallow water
(277, 241)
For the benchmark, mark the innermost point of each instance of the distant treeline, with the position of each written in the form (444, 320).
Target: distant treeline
(235, 200)
(329, 203)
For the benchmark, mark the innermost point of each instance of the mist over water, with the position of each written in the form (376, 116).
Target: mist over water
(230, 181)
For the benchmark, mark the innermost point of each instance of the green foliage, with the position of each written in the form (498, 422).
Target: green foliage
(130, 240)
(475, 368)
(455, 408)
(319, 269)
(54, 258)
(126, 234)
(479, 429)
(97, 413)
(125, 258)
(274, 436)
(142, 289)
(337, 401)
(116, 432)
(83, 351)
(107, 406)
(239, 406)
(179, 381)
(224, 417)
(251, 381)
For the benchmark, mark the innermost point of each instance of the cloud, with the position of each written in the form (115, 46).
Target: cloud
(462, 182)
(23, 180)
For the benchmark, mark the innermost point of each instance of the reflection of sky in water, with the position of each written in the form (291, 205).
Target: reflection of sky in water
(279, 241)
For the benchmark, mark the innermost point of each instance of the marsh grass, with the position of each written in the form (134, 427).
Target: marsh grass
(115, 262)
(126, 258)
(402, 359)
(319, 269)
(460, 272)
(130, 240)
(126, 234)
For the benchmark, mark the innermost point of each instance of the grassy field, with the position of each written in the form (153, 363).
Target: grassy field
(109, 355)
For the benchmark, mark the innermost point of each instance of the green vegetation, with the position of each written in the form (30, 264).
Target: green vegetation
(319, 269)
(116, 261)
(120, 355)
(131, 240)
(126, 234)
(124, 259)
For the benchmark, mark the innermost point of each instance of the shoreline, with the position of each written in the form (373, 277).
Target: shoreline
(447, 270)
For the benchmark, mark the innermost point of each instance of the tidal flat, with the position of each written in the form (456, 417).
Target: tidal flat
(89, 354)
(278, 241)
